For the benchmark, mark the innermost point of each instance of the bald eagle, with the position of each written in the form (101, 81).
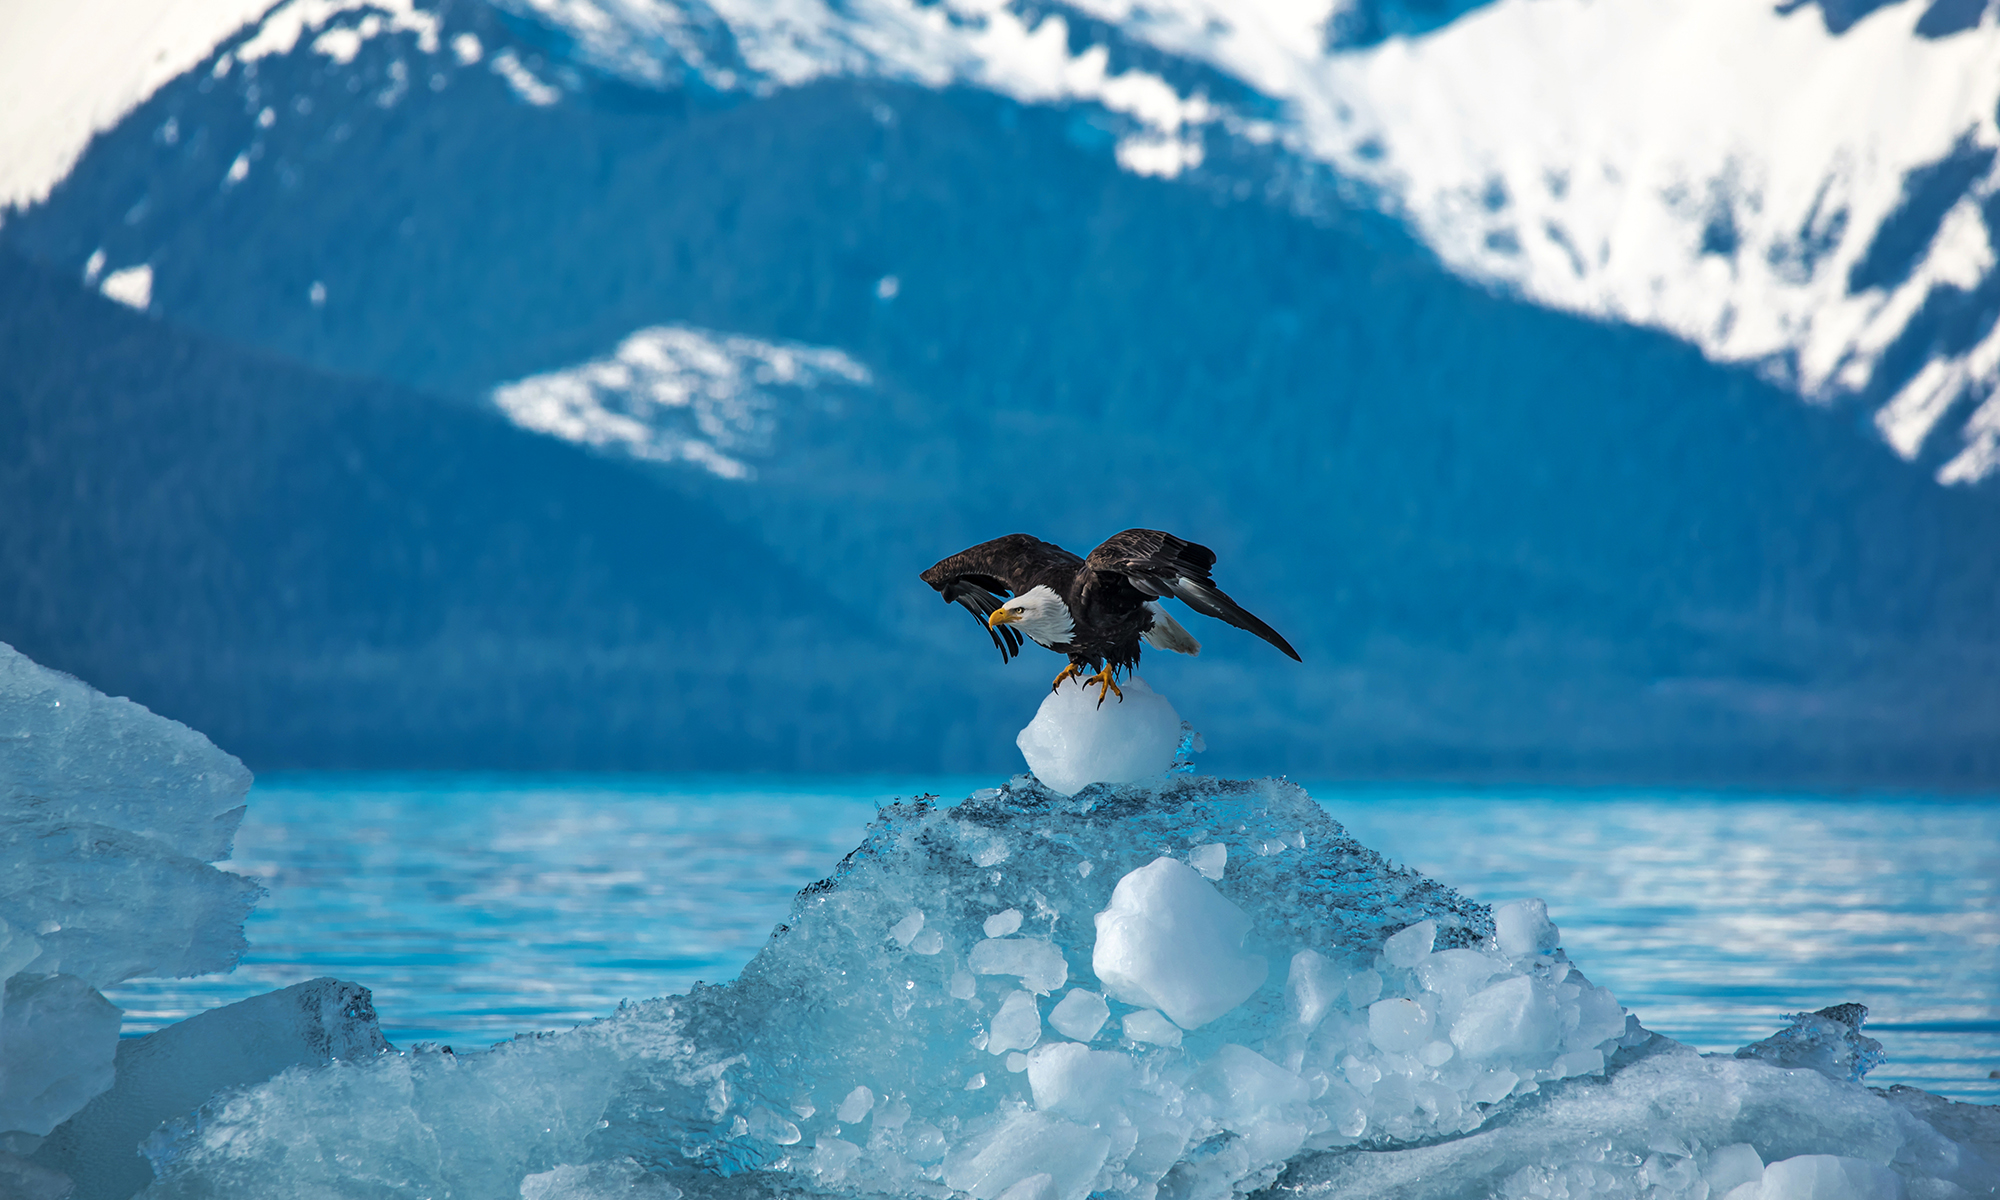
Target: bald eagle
(1095, 609)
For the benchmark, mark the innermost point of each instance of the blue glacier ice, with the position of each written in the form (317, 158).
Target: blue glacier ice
(110, 817)
(1177, 987)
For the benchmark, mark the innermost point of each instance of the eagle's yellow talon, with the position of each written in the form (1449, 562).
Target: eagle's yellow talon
(1106, 686)
(1068, 672)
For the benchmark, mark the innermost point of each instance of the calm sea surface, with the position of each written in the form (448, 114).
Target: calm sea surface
(479, 906)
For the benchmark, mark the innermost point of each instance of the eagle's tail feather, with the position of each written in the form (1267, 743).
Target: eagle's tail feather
(1167, 633)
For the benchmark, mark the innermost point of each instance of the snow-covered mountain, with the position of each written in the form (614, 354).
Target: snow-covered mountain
(1794, 189)
(1812, 192)
(873, 281)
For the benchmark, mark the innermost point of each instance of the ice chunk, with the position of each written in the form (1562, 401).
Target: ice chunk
(1311, 988)
(1408, 947)
(1080, 1015)
(1075, 1081)
(108, 817)
(1150, 1027)
(1514, 1018)
(620, 1179)
(1647, 1130)
(75, 756)
(1210, 860)
(1074, 742)
(1003, 924)
(1022, 1146)
(1732, 1166)
(1398, 1025)
(1170, 941)
(1039, 966)
(1017, 1026)
(1828, 1041)
(175, 1070)
(855, 1106)
(1040, 1186)
(57, 1041)
(1522, 927)
(1244, 1085)
(1823, 1177)
(748, 1080)
(110, 905)
(738, 1089)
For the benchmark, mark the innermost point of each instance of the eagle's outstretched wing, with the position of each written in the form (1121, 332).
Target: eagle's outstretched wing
(1009, 565)
(1160, 564)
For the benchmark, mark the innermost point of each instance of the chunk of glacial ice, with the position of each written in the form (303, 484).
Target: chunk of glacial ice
(832, 1003)
(684, 1086)
(174, 1070)
(1170, 941)
(108, 818)
(58, 1037)
(1676, 1125)
(1514, 1018)
(1017, 1026)
(1829, 1041)
(620, 1179)
(1074, 741)
(1151, 1028)
(1039, 965)
(75, 756)
(1079, 1015)
(1823, 1177)
(1522, 927)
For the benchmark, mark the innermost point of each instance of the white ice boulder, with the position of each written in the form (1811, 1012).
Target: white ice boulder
(1074, 741)
(1522, 927)
(1170, 941)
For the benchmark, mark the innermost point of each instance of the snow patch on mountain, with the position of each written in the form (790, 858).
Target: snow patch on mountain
(70, 69)
(1740, 177)
(676, 394)
(759, 46)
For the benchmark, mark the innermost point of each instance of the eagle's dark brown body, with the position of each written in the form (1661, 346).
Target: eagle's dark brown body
(1110, 599)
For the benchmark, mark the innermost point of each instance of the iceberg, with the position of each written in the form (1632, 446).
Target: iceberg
(1028, 995)
(110, 817)
(1170, 988)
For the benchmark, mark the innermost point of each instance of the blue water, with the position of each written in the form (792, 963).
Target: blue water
(481, 906)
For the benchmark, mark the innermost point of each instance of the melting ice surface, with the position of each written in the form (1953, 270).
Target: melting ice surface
(1184, 987)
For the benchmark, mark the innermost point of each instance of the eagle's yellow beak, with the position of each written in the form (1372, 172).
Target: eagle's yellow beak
(1000, 616)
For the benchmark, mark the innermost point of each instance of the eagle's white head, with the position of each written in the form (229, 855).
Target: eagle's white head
(1039, 613)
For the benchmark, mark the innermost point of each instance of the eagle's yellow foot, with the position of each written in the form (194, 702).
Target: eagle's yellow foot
(1069, 672)
(1106, 686)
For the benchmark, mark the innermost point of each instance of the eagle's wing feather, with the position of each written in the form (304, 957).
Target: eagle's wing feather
(981, 603)
(1160, 564)
(1012, 564)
